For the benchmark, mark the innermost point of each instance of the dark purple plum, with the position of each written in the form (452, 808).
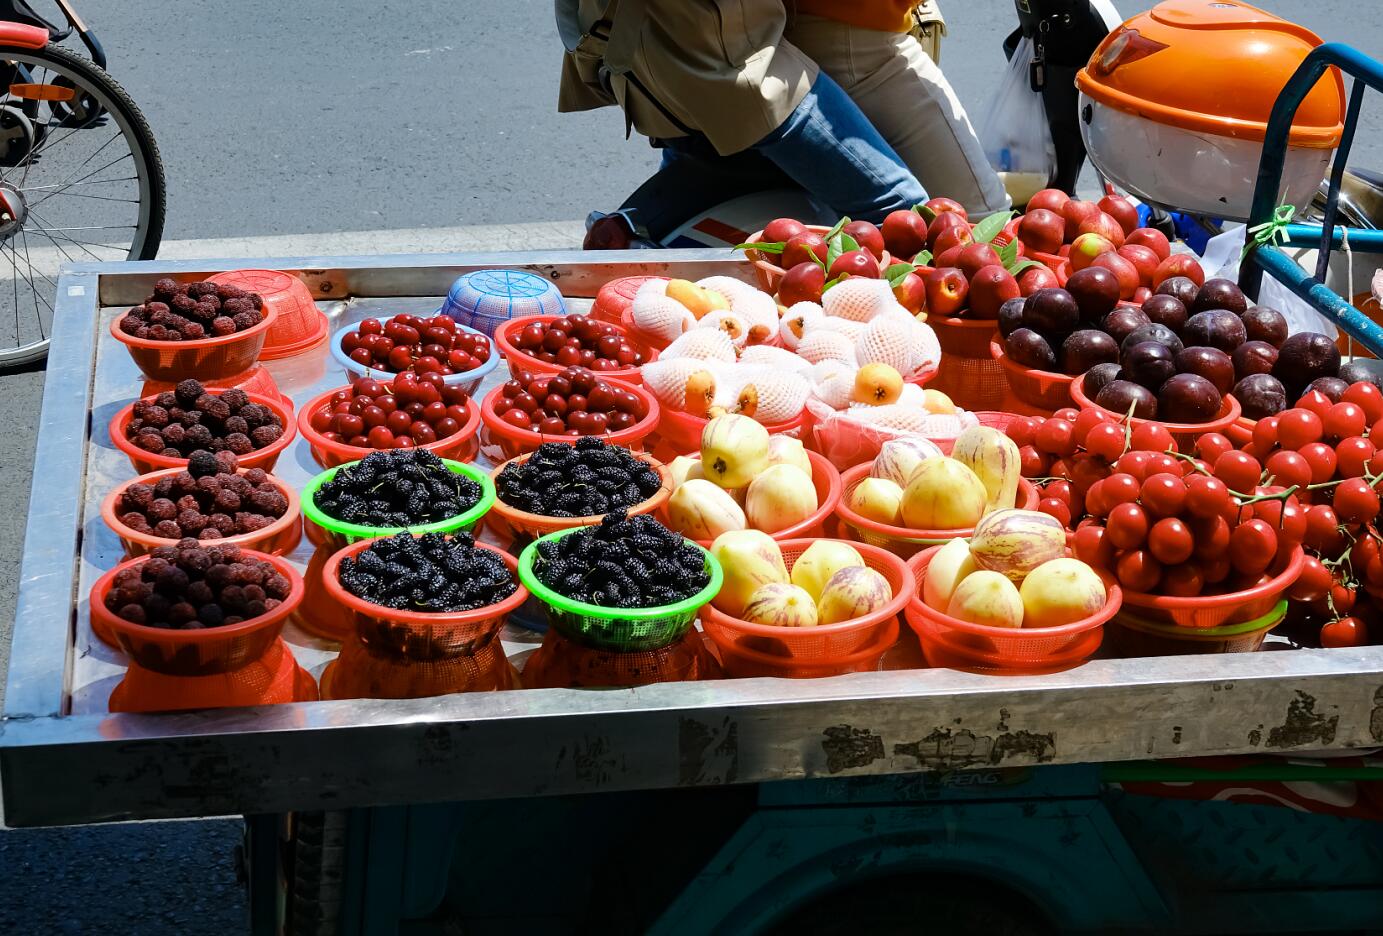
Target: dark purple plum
(1332, 387)
(1303, 358)
(1122, 321)
(1265, 324)
(1151, 332)
(1098, 376)
(1216, 328)
(1253, 357)
(1084, 349)
(1121, 396)
(1220, 294)
(1363, 370)
(1011, 316)
(1166, 310)
(1096, 291)
(1030, 349)
(1261, 395)
(1149, 363)
(1211, 363)
(1188, 398)
(1182, 287)
(1052, 313)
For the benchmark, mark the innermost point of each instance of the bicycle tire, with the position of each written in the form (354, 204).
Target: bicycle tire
(138, 135)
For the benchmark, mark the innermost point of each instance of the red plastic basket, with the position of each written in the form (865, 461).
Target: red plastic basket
(511, 524)
(826, 480)
(358, 673)
(205, 358)
(278, 538)
(1131, 636)
(748, 649)
(901, 540)
(617, 296)
(273, 679)
(1185, 434)
(145, 462)
(201, 652)
(968, 374)
(1058, 264)
(410, 654)
(520, 360)
(1010, 651)
(319, 614)
(255, 380)
(462, 445)
(298, 326)
(565, 664)
(511, 441)
(679, 433)
(1205, 611)
(1045, 390)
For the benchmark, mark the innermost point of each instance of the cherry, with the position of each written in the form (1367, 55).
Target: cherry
(380, 437)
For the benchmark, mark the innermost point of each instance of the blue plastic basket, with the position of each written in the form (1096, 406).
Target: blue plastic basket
(485, 299)
(468, 381)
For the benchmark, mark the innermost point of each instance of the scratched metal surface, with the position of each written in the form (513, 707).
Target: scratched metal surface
(65, 760)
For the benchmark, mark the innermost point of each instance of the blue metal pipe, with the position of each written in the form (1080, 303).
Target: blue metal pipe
(1309, 235)
(1285, 270)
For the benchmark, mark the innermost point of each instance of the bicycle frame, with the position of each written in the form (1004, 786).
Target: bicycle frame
(18, 13)
(1366, 72)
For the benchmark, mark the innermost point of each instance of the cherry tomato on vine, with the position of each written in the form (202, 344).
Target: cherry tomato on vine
(1023, 430)
(1316, 402)
(1289, 468)
(1321, 459)
(1031, 462)
(1352, 455)
(1096, 502)
(1056, 437)
(1323, 531)
(1162, 463)
(1346, 632)
(1342, 598)
(1060, 489)
(1239, 471)
(1170, 541)
(1211, 537)
(1343, 420)
(1106, 440)
(1367, 397)
(1206, 496)
(1265, 433)
(1059, 468)
(1091, 546)
(1138, 571)
(1286, 517)
(1215, 570)
(1133, 463)
(1068, 413)
(1121, 488)
(1153, 437)
(1212, 445)
(1314, 583)
(1297, 427)
(1087, 420)
(1183, 581)
(1355, 501)
(1127, 526)
(1163, 494)
(1055, 507)
(1252, 546)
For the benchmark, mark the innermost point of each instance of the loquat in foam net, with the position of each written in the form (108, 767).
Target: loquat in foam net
(797, 321)
(780, 395)
(847, 327)
(886, 340)
(772, 356)
(858, 298)
(655, 313)
(822, 344)
(729, 287)
(668, 378)
(835, 389)
(731, 323)
(706, 344)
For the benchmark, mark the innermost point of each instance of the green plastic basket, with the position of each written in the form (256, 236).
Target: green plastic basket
(618, 629)
(353, 533)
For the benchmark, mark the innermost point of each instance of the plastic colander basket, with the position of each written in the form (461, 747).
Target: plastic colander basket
(393, 654)
(564, 664)
(273, 679)
(901, 540)
(968, 374)
(1011, 651)
(485, 298)
(278, 538)
(624, 629)
(1214, 611)
(462, 445)
(511, 524)
(1133, 636)
(749, 649)
(500, 440)
(616, 296)
(468, 381)
(1185, 434)
(507, 333)
(255, 380)
(212, 358)
(679, 433)
(299, 325)
(145, 462)
(1045, 390)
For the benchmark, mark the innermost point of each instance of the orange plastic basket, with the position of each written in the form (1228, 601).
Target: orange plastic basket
(1241, 432)
(278, 538)
(520, 360)
(902, 540)
(565, 664)
(826, 480)
(511, 441)
(273, 679)
(255, 380)
(1131, 636)
(1010, 651)
(1185, 434)
(968, 374)
(769, 274)
(205, 358)
(1205, 611)
(748, 649)
(1045, 390)
(617, 296)
(1058, 264)
(462, 445)
(679, 433)
(360, 673)
(320, 614)
(200, 652)
(145, 462)
(409, 654)
(511, 524)
(298, 326)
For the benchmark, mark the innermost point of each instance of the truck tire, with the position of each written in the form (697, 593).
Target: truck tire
(316, 873)
(916, 904)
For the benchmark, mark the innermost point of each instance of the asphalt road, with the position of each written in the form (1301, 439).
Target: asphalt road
(354, 115)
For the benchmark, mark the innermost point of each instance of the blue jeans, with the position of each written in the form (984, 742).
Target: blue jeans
(826, 146)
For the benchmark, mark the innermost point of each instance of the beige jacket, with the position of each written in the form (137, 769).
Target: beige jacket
(718, 67)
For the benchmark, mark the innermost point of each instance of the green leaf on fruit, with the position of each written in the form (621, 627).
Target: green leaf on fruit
(923, 258)
(771, 248)
(1020, 266)
(898, 272)
(990, 227)
(831, 283)
(835, 246)
(1008, 253)
(837, 227)
(927, 213)
(848, 243)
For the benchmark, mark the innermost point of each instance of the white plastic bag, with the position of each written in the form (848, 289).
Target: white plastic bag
(1015, 134)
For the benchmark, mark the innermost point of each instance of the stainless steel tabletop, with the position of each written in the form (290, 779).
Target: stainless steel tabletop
(65, 759)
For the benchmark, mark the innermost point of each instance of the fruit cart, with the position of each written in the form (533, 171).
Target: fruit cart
(344, 799)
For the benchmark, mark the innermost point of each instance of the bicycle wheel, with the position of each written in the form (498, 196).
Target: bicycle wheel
(80, 181)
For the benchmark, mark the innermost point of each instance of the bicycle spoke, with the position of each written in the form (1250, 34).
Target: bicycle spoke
(24, 236)
(79, 169)
(38, 313)
(81, 181)
(75, 243)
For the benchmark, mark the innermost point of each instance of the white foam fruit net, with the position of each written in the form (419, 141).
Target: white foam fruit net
(796, 322)
(781, 395)
(820, 345)
(655, 313)
(731, 323)
(887, 340)
(858, 298)
(708, 344)
(773, 356)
